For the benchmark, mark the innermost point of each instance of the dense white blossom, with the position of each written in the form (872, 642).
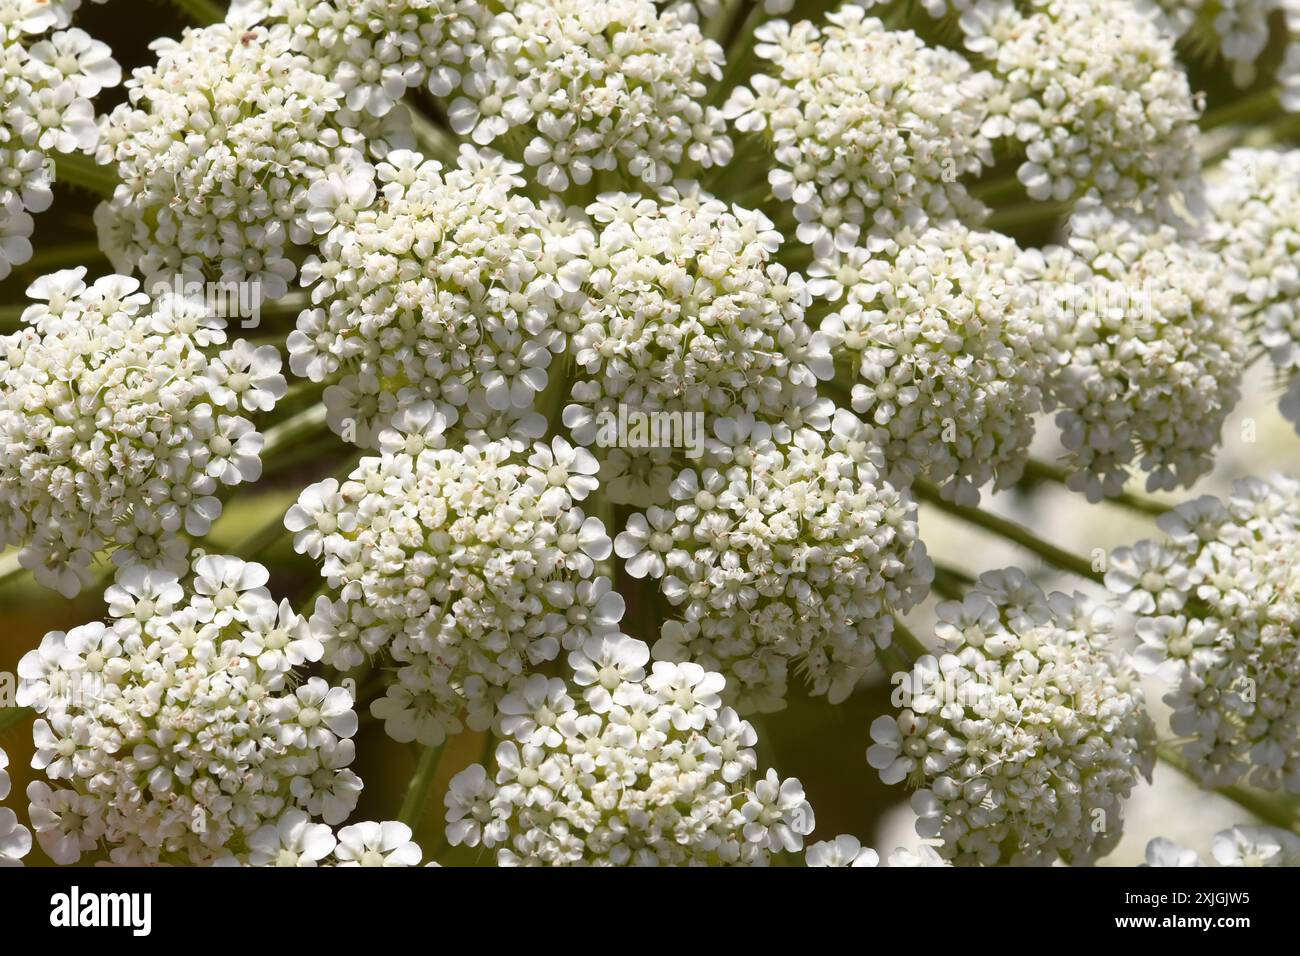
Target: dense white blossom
(946, 358)
(1025, 736)
(1239, 846)
(654, 316)
(1094, 92)
(121, 419)
(375, 50)
(15, 839)
(47, 81)
(468, 567)
(433, 284)
(844, 850)
(217, 149)
(1254, 200)
(580, 88)
(1238, 31)
(870, 128)
(1219, 616)
(637, 769)
(175, 731)
(295, 840)
(687, 314)
(798, 554)
(1153, 356)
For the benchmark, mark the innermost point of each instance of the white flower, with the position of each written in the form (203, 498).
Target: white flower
(226, 207)
(1093, 90)
(1226, 640)
(15, 839)
(377, 49)
(798, 558)
(1053, 741)
(1152, 356)
(949, 362)
(638, 772)
(66, 823)
(871, 129)
(687, 320)
(377, 844)
(1164, 852)
(1238, 30)
(450, 289)
(470, 567)
(925, 855)
(292, 841)
(111, 426)
(47, 84)
(248, 377)
(174, 731)
(618, 84)
(844, 850)
(1256, 210)
(1251, 846)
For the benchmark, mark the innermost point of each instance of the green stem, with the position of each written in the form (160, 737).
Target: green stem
(739, 54)
(1016, 533)
(12, 716)
(309, 422)
(10, 569)
(263, 539)
(11, 317)
(723, 22)
(950, 583)
(909, 642)
(1028, 213)
(204, 12)
(417, 791)
(1270, 811)
(61, 257)
(432, 139)
(1242, 110)
(1043, 471)
(995, 190)
(83, 171)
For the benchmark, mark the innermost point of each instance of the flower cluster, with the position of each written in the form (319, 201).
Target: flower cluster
(1255, 206)
(1239, 846)
(870, 128)
(375, 50)
(15, 839)
(584, 87)
(217, 150)
(294, 840)
(120, 422)
(468, 567)
(1093, 90)
(433, 284)
(47, 81)
(844, 850)
(1026, 734)
(642, 770)
(1219, 606)
(1238, 31)
(1153, 353)
(798, 554)
(947, 358)
(174, 732)
(688, 314)
(847, 850)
